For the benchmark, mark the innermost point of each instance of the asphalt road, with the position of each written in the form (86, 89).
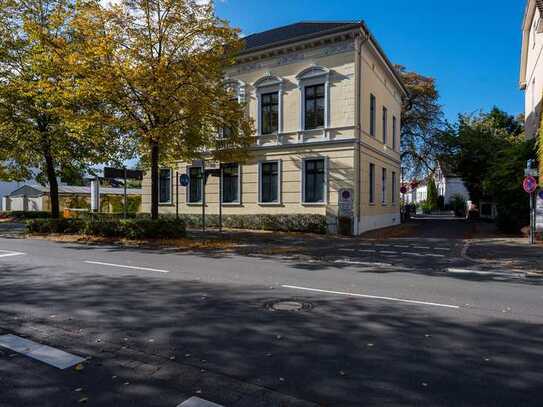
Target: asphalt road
(382, 327)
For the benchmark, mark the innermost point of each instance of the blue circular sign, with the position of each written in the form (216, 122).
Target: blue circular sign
(541, 194)
(184, 180)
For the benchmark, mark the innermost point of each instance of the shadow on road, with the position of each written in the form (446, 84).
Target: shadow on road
(343, 352)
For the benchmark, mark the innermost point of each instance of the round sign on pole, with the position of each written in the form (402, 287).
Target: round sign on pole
(184, 180)
(529, 184)
(403, 190)
(541, 194)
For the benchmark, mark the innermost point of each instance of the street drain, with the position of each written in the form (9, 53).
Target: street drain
(288, 305)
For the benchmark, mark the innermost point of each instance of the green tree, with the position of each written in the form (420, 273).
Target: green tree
(432, 197)
(422, 122)
(45, 106)
(161, 65)
(489, 152)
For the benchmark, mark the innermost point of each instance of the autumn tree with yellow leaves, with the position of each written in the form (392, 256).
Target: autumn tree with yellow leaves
(50, 118)
(160, 64)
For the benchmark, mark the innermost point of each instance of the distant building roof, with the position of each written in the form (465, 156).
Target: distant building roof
(296, 31)
(38, 190)
(447, 169)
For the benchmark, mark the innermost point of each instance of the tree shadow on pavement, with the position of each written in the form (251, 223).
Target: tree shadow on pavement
(346, 352)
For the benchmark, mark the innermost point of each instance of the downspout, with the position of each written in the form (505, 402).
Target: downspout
(359, 43)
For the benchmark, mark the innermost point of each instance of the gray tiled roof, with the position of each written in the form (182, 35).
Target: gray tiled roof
(301, 30)
(36, 190)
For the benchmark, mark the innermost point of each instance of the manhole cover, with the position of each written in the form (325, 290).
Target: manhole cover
(288, 305)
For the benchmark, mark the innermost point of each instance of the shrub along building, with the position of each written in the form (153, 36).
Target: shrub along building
(327, 105)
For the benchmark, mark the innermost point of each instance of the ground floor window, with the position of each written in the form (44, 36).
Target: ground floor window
(393, 187)
(165, 185)
(230, 183)
(314, 180)
(269, 182)
(384, 186)
(195, 184)
(372, 183)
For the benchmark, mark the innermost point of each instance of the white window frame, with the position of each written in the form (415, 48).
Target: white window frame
(325, 186)
(394, 132)
(171, 186)
(314, 75)
(238, 201)
(269, 84)
(240, 90)
(279, 182)
(394, 187)
(187, 192)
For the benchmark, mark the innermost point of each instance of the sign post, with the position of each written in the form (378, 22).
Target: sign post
(530, 186)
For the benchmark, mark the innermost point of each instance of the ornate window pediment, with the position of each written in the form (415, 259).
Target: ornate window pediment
(268, 80)
(314, 71)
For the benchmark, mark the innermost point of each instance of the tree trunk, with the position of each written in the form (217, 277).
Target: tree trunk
(53, 184)
(154, 179)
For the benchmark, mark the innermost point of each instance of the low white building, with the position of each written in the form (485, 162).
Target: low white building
(449, 184)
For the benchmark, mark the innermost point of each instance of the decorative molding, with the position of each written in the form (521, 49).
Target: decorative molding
(294, 57)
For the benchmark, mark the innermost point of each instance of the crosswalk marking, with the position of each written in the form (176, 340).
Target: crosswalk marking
(198, 402)
(43, 353)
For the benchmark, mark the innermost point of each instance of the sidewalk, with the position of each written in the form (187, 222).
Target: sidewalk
(507, 253)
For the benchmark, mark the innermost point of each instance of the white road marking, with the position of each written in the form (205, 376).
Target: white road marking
(198, 402)
(448, 249)
(421, 247)
(412, 254)
(43, 353)
(504, 273)
(381, 245)
(401, 246)
(434, 255)
(375, 297)
(388, 252)
(369, 251)
(363, 263)
(7, 253)
(125, 266)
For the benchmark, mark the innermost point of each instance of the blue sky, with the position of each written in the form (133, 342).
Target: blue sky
(471, 47)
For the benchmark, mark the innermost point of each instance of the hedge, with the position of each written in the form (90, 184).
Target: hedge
(165, 228)
(28, 215)
(284, 223)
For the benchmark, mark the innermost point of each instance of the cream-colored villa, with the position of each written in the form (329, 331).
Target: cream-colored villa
(531, 65)
(327, 105)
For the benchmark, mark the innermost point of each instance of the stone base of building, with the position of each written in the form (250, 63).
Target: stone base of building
(369, 223)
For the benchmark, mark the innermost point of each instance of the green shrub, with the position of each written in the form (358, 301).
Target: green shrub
(285, 223)
(166, 228)
(458, 205)
(53, 225)
(21, 215)
(426, 207)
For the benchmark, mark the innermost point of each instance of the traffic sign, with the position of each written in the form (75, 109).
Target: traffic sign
(529, 184)
(184, 180)
(541, 194)
(403, 190)
(531, 172)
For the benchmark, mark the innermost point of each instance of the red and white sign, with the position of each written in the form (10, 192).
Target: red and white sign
(403, 190)
(529, 184)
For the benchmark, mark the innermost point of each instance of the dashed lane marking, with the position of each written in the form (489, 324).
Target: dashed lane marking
(374, 297)
(369, 251)
(198, 402)
(7, 253)
(125, 266)
(43, 353)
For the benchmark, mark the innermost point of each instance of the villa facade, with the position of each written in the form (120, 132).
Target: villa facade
(327, 103)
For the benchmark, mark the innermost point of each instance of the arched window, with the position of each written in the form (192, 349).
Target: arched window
(314, 85)
(269, 95)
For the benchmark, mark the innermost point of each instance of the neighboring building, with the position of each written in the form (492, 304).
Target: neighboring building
(327, 105)
(417, 192)
(449, 184)
(5, 188)
(34, 198)
(531, 65)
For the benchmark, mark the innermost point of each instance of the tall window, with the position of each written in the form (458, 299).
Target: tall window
(372, 183)
(195, 185)
(314, 106)
(393, 187)
(372, 115)
(314, 178)
(385, 125)
(394, 133)
(165, 186)
(269, 182)
(269, 111)
(384, 186)
(230, 183)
